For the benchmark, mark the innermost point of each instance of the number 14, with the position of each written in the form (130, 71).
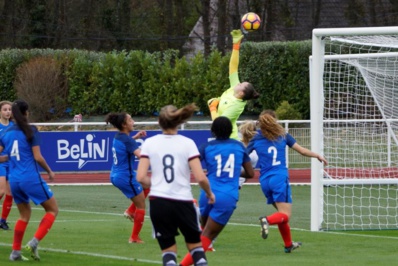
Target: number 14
(228, 167)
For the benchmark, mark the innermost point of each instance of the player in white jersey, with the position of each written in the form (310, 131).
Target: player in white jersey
(171, 158)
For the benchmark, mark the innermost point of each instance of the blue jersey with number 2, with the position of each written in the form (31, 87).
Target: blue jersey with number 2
(271, 154)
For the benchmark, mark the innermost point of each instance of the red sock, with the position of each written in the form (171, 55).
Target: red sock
(284, 229)
(277, 218)
(132, 208)
(45, 226)
(19, 231)
(187, 260)
(7, 204)
(146, 192)
(206, 242)
(138, 222)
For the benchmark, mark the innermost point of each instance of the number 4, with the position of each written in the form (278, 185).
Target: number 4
(15, 150)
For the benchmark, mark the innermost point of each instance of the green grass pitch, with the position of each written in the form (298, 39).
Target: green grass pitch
(90, 230)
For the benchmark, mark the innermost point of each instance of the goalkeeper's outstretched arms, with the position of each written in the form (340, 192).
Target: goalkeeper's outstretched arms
(237, 37)
(232, 102)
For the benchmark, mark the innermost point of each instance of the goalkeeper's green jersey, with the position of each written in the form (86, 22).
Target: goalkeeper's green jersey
(230, 106)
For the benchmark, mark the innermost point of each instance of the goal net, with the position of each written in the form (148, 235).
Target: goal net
(354, 124)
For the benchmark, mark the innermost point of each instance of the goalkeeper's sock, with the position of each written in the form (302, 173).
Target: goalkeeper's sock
(277, 218)
(284, 230)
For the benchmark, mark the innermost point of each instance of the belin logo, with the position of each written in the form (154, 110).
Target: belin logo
(83, 152)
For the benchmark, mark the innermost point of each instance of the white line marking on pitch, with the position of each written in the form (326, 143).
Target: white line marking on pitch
(255, 225)
(91, 254)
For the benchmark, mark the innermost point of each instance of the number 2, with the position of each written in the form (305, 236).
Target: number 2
(274, 152)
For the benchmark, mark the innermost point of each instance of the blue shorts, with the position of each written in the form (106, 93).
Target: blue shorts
(221, 211)
(276, 188)
(129, 187)
(36, 190)
(4, 170)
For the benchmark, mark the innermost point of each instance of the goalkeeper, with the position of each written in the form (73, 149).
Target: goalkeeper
(233, 101)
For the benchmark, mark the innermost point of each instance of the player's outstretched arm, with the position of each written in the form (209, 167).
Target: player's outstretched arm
(306, 152)
(237, 37)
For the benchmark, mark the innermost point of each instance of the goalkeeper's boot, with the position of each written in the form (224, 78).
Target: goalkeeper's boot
(17, 256)
(264, 227)
(32, 247)
(295, 245)
(237, 36)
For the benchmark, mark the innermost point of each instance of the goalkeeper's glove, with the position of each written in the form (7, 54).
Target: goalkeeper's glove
(213, 104)
(237, 36)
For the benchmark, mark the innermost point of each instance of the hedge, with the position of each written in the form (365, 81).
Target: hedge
(140, 82)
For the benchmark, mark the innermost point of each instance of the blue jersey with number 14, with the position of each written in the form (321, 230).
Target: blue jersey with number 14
(223, 160)
(271, 154)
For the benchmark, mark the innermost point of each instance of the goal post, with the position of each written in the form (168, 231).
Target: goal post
(354, 124)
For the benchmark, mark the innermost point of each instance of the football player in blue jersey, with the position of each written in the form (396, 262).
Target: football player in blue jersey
(5, 122)
(274, 178)
(125, 149)
(21, 143)
(223, 159)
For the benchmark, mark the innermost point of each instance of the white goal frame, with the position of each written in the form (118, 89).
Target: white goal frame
(318, 182)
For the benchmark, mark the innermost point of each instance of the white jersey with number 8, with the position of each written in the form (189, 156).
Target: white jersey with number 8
(169, 157)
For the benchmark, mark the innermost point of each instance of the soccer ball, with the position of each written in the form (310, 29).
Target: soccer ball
(251, 21)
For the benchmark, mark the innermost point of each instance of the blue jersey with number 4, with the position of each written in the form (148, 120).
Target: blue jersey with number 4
(20, 155)
(223, 160)
(271, 154)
